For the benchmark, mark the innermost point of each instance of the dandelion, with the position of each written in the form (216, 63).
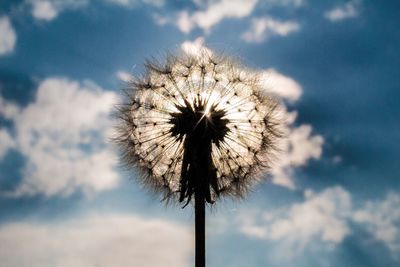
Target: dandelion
(198, 126)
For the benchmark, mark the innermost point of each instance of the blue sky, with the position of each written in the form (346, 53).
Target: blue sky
(332, 199)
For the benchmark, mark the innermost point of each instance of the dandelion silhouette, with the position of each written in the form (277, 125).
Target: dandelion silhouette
(198, 125)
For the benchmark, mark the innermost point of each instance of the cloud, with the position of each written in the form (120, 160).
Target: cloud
(382, 220)
(160, 19)
(213, 13)
(281, 85)
(8, 37)
(292, 3)
(8, 110)
(64, 136)
(262, 28)
(309, 146)
(299, 146)
(327, 217)
(96, 240)
(346, 11)
(195, 47)
(44, 10)
(50, 9)
(124, 3)
(6, 142)
(132, 3)
(124, 76)
(184, 22)
(156, 3)
(207, 14)
(321, 216)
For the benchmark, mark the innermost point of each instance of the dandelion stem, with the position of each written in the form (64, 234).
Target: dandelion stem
(200, 257)
(199, 125)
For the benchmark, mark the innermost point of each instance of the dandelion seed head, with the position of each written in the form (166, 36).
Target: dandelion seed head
(198, 121)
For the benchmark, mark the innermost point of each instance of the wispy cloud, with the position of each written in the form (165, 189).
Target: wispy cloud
(262, 28)
(124, 3)
(8, 36)
(6, 142)
(96, 240)
(290, 3)
(346, 11)
(382, 220)
(44, 10)
(8, 109)
(48, 10)
(213, 13)
(123, 76)
(133, 3)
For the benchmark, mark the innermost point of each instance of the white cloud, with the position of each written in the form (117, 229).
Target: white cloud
(337, 159)
(325, 217)
(382, 220)
(124, 76)
(210, 13)
(44, 10)
(96, 240)
(156, 3)
(160, 19)
(132, 3)
(49, 9)
(8, 37)
(184, 22)
(6, 142)
(297, 148)
(292, 3)
(64, 136)
(346, 11)
(195, 47)
(214, 12)
(8, 109)
(321, 216)
(299, 145)
(124, 3)
(302, 146)
(262, 28)
(281, 85)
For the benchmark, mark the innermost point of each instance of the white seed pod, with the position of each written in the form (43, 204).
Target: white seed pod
(198, 121)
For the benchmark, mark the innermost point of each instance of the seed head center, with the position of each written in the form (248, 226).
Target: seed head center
(199, 122)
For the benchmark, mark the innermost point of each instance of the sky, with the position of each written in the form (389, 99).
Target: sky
(331, 199)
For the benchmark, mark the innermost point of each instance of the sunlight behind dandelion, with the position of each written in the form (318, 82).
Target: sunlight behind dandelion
(241, 123)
